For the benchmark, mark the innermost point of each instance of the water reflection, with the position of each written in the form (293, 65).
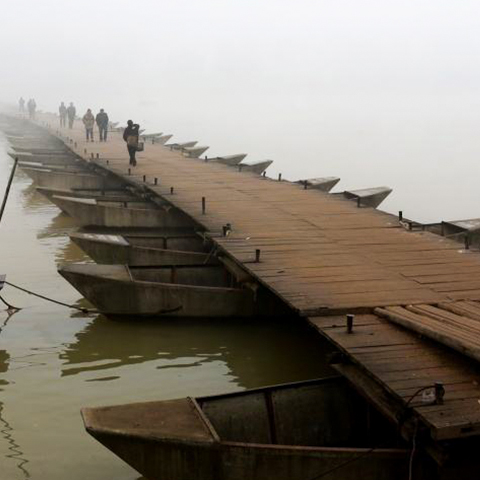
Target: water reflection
(16, 453)
(256, 353)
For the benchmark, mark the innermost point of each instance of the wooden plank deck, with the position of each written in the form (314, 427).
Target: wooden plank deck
(319, 253)
(401, 362)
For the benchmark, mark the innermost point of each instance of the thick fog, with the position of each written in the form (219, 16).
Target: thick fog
(377, 92)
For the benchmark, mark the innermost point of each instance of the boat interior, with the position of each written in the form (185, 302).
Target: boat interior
(193, 275)
(187, 243)
(319, 413)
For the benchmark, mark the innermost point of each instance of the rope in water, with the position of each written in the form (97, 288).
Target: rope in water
(48, 299)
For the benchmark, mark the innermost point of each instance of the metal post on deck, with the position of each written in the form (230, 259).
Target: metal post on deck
(144, 178)
(350, 318)
(155, 181)
(240, 168)
(439, 393)
(108, 162)
(75, 144)
(305, 185)
(98, 155)
(7, 191)
(358, 202)
(129, 172)
(226, 229)
(467, 242)
(171, 190)
(206, 158)
(400, 216)
(257, 255)
(264, 174)
(203, 205)
(85, 151)
(279, 177)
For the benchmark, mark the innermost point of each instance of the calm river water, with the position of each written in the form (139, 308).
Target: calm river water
(53, 360)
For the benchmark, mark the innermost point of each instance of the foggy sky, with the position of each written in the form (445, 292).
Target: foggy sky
(377, 92)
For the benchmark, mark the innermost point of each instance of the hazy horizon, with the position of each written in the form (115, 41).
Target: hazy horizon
(378, 93)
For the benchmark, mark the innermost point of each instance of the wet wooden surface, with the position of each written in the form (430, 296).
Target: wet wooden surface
(319, 253)
(403, 362)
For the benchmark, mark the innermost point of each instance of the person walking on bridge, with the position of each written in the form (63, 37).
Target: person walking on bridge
(102, 123)
(89, 121)
(130, 135)
(21, 105)
(32, 106)
(62, 111)
(71, 112)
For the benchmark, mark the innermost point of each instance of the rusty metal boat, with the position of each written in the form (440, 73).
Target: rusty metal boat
(306, 430)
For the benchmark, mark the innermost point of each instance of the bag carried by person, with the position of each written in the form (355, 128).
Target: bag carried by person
(140, 146)
(132, 141)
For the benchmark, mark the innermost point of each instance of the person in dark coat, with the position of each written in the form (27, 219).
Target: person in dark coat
(71, 112)
(32, 106)
(130, 135)
(62, 111)
(102, 123)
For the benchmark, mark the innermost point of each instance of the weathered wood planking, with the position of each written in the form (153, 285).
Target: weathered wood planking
(318, 252)
(402, 362)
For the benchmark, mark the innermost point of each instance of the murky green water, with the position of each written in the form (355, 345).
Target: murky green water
(54, 360)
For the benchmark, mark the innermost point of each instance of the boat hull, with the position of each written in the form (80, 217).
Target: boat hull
(110, 195)
(187, 438)
(230, 160)
(113, 292)
(259, 167)
(324, 184)
(93, 214)
(115, 249)
(68, 181)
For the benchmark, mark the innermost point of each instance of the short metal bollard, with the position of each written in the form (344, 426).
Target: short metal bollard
(400, 216)
(439, 393)
(350, 318)
(203, 206)
(171, 190)
(155, 181)
(257, 255)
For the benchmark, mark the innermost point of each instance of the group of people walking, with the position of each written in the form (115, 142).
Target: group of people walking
(131, 134)
(31, 107)
(89, 120)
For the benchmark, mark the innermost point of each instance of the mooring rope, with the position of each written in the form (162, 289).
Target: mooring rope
(48, 299)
